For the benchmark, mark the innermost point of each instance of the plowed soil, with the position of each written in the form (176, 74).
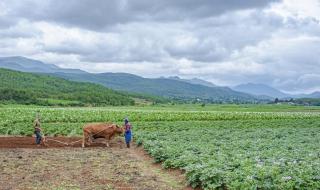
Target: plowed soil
(63, 164)
(52, 142)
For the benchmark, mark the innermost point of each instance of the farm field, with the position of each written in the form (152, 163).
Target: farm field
(218, 147)
(63, 168)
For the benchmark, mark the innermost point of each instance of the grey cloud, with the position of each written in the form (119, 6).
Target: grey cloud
(67, 48)
(186, 9)
(99, 14)
(19, 30)
(5, 23)
(133, 51)
(203, 50)
(217, 38)
(156, 42)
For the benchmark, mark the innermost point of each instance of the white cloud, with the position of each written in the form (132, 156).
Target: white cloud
(298, 9)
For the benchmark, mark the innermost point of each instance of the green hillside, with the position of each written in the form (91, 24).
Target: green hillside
(168, 88)
(156, 90)
(40, 89)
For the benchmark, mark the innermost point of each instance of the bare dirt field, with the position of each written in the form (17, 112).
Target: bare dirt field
(23, 165)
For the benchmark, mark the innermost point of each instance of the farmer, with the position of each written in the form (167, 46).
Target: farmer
(37, 130)
(127, 134)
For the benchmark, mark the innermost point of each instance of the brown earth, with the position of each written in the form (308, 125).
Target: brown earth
(52, 142)
(64, 165)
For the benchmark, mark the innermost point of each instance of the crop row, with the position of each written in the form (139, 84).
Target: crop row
(278, 154)
(69, 121)
(11, 115)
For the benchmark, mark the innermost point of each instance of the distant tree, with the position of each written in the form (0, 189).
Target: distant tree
(276, 100)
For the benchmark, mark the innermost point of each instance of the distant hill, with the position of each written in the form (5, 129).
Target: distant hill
(40, 89)
(307, 101)
(174, 89)
(194, 81)
(23, 64)
(260, 90)
(312, 95)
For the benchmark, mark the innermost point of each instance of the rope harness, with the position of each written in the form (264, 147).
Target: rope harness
(72, 143)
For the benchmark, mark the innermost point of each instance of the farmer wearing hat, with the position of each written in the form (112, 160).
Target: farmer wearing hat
(127, 134)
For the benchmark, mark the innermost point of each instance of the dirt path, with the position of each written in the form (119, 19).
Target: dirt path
(23, 166)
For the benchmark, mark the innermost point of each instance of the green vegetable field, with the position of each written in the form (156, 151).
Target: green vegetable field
(218, 148)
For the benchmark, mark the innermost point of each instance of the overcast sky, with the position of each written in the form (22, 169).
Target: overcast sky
(227, 42)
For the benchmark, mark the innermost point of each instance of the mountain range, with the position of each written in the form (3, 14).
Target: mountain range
(193, 81)
(23, 64)
(172, 87)
(262, 90)
(163, 87)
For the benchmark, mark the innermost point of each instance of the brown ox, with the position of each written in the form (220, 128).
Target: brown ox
(100, 130)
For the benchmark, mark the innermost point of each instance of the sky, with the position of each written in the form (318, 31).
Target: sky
(226, 42)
